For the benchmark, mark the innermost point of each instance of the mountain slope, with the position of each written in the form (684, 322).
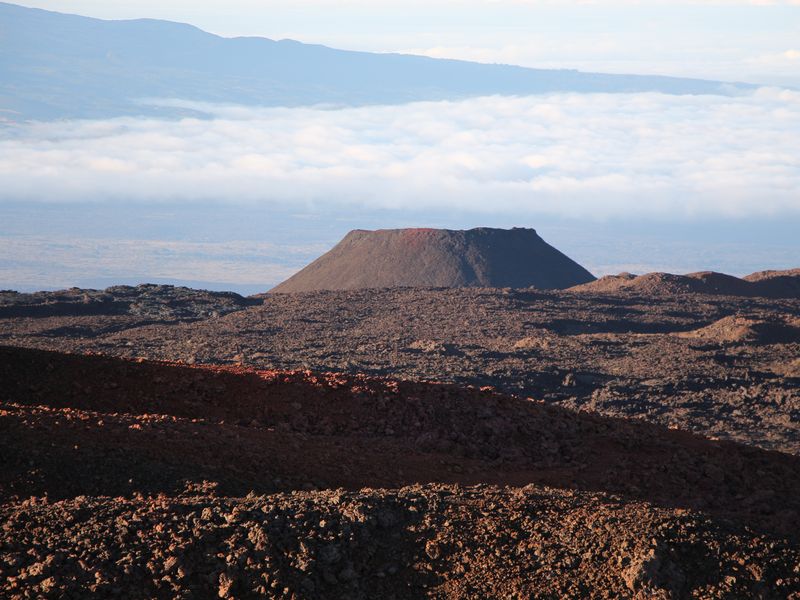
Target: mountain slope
(481, 257)
(54, 65)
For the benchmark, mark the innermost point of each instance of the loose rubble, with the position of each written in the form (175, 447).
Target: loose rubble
(414, 542)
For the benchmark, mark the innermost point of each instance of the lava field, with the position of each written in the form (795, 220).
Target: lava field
(399, 443)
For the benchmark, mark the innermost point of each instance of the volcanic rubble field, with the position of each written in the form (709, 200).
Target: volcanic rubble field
(722, 366)
(293, 449)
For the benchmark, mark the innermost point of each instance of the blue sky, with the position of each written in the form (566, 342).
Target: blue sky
(756, 40)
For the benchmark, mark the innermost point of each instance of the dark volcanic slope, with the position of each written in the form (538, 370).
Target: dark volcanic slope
(131, 465)
(161, 425)
(481, 257)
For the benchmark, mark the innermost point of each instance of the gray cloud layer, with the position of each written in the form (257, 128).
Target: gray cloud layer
(568, 155)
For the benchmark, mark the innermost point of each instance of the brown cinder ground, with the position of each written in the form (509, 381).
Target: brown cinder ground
(141, 479)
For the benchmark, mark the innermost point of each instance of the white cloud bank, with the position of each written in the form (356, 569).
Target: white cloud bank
(570, 155)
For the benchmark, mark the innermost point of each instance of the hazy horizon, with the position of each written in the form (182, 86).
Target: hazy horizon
(250, 249)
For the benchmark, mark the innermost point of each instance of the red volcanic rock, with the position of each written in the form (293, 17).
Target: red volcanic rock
(481, 257)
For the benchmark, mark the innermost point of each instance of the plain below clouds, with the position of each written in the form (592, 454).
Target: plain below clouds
(584, 155)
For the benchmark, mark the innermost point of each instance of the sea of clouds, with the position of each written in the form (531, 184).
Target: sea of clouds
(573, 155)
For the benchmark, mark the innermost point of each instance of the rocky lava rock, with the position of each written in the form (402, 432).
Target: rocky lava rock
(431, 541)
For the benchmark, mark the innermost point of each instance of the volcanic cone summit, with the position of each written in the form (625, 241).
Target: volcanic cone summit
(481, 257)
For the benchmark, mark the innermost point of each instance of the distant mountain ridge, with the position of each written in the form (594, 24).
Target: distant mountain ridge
(55, 66)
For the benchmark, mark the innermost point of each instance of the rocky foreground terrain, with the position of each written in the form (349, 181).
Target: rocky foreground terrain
(604, 444)
(140, 479)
